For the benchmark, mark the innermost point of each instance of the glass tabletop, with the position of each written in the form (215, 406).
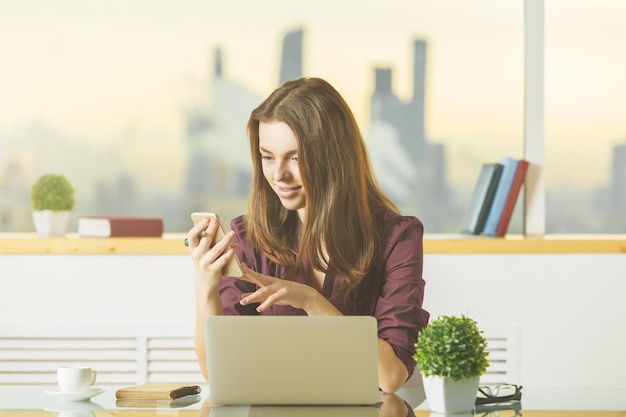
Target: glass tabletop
(37, 401)
(42, 401)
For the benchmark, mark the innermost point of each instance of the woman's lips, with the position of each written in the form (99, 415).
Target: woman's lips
(287, 192)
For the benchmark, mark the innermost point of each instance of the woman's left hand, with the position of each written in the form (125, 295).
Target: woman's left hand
(282, 292)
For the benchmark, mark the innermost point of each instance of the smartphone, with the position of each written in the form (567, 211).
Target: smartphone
(233, 267)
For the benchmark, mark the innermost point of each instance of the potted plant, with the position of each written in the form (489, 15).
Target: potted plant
(451, 354)
(52, 199)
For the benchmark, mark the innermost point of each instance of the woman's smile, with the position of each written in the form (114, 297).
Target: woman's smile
(287, 192)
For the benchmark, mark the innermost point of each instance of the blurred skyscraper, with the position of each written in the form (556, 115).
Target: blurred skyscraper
(430, 194)
(619, 186)
(291, 60)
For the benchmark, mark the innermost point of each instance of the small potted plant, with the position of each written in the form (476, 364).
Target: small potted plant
(52, 199)
(451, 354)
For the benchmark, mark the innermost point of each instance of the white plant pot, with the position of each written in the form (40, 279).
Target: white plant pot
(446, 396)
(51, 223)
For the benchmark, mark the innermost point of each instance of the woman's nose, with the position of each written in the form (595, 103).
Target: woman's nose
(281, 171)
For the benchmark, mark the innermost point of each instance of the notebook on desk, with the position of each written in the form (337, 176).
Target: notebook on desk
(292, 360)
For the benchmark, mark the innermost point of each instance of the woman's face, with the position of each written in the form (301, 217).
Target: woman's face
(279, 157)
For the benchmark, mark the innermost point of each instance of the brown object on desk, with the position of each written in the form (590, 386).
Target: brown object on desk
(157, 391)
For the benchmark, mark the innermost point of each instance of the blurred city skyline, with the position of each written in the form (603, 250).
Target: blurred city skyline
(87, 78)
(104, 72)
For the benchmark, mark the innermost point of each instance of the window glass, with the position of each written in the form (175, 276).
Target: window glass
(143, 104)
(585, 122)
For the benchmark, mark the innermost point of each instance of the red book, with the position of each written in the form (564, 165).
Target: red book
(119, 226)
(511, 199)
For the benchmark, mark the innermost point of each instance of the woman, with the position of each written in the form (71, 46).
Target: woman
(319, 237)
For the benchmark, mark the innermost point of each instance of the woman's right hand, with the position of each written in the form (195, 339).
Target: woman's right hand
(209, 258)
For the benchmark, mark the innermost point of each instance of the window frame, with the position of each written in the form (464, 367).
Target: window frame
(534, 216)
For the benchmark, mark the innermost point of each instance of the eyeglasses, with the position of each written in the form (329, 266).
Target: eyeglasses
(500, 393)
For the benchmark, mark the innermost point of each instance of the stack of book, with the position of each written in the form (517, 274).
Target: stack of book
(494, 197)
(119, 226)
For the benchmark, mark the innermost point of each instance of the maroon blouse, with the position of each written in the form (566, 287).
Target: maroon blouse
(392, 290)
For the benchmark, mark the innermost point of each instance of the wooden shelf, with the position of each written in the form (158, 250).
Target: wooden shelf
(169, 244)
(520, 244)
(172, 244)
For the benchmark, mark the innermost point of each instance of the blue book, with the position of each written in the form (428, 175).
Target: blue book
(509, 166)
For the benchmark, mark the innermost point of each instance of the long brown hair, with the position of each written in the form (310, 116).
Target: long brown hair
(337, 178)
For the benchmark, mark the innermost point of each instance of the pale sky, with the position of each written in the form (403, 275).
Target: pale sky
(122, 70)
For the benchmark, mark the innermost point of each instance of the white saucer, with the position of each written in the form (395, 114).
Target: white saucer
(76, 396)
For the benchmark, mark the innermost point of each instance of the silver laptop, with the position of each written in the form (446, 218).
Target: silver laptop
(295, 360)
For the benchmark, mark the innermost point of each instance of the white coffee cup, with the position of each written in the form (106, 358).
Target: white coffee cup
(75, 378)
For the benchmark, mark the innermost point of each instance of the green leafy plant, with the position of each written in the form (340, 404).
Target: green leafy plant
(452, 347)
(52, 192)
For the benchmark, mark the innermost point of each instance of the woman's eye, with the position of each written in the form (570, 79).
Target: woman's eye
(266, 157)
(294, 158)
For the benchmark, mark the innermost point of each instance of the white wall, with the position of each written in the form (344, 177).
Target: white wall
(569, 307)
(571, 312)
